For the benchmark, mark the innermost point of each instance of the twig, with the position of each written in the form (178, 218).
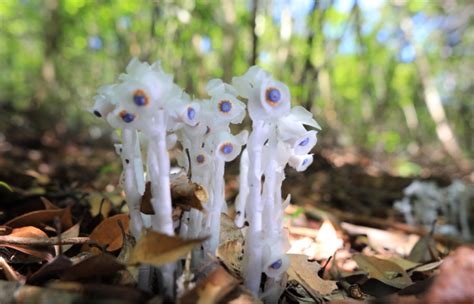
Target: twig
(15, 240)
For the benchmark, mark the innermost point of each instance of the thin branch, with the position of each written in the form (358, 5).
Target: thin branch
(15, 240)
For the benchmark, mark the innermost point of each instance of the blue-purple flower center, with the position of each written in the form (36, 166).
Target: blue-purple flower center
(273, 95)
(200, 158)
(127, 117)
(140, 98)
(277, 264)
(227, 148)
(305, 161)
(191, 113)
(225, 106)
(304, 142)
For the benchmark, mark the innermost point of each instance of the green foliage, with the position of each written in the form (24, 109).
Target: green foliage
(56, 52)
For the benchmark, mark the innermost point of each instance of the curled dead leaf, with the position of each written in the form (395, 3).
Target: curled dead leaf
(40, 218)
(109, 234)
(157, 249)
(184, 194)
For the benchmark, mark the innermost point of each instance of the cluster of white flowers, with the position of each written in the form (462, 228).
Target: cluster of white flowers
(278, 138)
(424, 202)
(146, 101)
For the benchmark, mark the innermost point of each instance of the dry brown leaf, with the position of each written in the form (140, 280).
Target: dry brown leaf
(50, 270)
(229, 231)
(157, 249)
(424, 250)
(403, 263)
(70, 233)
(48, 205)
(93, 266)
(212, 289)
(426, 267)
(231, 254)
(384, 271)
(40, 218)
(108, 233)
(306, 274)
(184, 194)
(43, 253)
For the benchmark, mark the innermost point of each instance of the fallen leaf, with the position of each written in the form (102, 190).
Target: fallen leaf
(229, 231)
(40, 218)
(212, 289)
(50, 270)
(426, 267)
(184, 194)
(403, 263)
(93, 266)
(231, 254)
(157, 249)
(48, 205)
(306, 273)
(43, 252)
(381, 240)
(424, 250)
(70, 233)
(108, 233)
(384, 271)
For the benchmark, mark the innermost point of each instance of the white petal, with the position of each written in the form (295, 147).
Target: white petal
(304, 116)
(300, 162)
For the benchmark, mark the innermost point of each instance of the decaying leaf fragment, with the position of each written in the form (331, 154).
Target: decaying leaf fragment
(212, 289)
(384, 271)
(306, 274)
(184, 194)
(157, 249)
(231, 254)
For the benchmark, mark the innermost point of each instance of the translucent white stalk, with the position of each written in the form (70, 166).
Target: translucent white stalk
(133, 197)
(161, 193)
(216, 204)
(252, 267)
(241, 200)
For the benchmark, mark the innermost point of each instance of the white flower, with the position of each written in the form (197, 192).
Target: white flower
(300, 162)
(144, 87)
(121, 118)
(217, 87)
(275, 261)
(228, 146)
(247, 85)
(303, 116)
(104, 102)
(228, 108)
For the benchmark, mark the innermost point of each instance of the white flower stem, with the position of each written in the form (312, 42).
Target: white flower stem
(133, 198)
(241, 201)
(252, 267)
(217, 204)
(161, 200)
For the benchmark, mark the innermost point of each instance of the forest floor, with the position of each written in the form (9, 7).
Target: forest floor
(347, 241)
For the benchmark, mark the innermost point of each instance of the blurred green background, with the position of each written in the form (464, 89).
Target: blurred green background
(389, 77)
